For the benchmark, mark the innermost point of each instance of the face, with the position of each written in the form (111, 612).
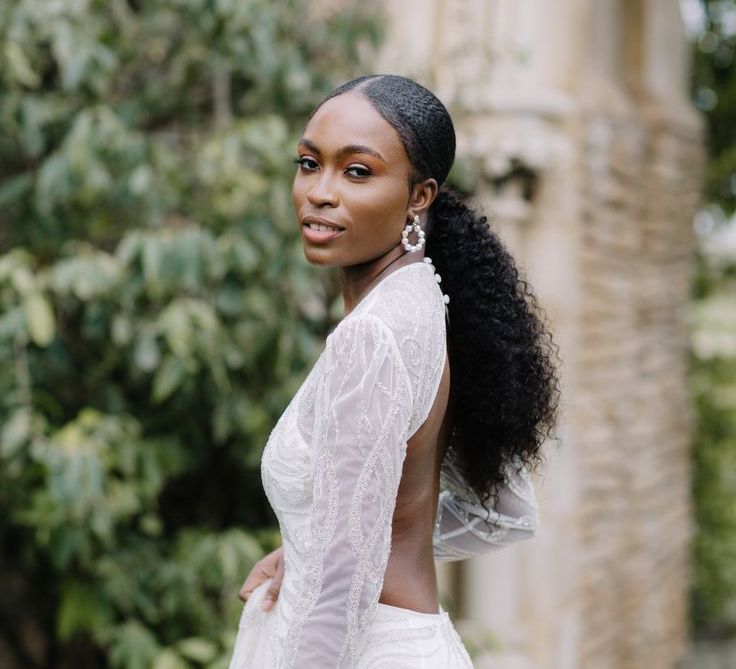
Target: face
(353, 173)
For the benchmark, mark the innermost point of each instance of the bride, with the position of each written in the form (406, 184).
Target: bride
(432, 397)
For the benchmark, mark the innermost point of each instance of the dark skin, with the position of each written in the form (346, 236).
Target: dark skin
(366, 191)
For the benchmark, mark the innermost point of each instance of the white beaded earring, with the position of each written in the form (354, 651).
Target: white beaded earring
(405, 235)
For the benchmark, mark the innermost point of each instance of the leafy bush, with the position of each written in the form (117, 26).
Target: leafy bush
(713, 386)
(156, 312)
(713, 359)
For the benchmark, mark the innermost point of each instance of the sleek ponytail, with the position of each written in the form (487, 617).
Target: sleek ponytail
(503, 388)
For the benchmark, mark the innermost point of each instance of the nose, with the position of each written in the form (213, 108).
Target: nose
(323, 192)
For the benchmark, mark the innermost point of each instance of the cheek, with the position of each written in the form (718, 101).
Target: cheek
(383, 206)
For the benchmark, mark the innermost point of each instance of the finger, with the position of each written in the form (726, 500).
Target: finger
(275, 588)
(246, 590)
(271, 595)
(261, 571)
(257, 575)
(250, 584)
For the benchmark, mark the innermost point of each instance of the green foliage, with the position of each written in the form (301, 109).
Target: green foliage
(714, 90)
(156, 312)
(713, 386)
(713, 351)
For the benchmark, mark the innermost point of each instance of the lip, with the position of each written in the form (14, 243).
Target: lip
(320, 236)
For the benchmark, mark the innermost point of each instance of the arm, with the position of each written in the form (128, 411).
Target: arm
(464, 528)
(362, 412)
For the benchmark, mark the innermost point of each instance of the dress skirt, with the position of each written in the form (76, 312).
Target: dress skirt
(398, 639)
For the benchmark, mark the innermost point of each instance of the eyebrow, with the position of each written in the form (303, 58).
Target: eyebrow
(348, 148)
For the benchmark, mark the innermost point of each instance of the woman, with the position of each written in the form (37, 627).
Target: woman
(382, 462)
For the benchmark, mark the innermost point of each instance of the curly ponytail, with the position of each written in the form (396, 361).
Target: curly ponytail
(504, 389)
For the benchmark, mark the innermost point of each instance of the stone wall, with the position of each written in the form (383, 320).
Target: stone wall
(590, 100)
(631, 412)
(641, 159)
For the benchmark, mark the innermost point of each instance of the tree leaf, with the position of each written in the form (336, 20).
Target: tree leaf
(81, 609)
(197, 649)
(168, 378)
(168, 659)
(39, 318)
(20, 68)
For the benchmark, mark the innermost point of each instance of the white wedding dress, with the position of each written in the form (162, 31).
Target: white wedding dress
(331, 469)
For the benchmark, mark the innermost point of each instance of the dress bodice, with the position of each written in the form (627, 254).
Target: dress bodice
(332, 464)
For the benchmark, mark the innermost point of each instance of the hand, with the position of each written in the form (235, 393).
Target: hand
(270, 566)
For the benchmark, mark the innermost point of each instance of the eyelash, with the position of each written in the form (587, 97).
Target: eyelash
(300, 161)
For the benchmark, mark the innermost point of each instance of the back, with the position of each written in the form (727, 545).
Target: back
(413, 307)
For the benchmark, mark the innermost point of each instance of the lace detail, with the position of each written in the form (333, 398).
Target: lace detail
(331, 469)
(362, 411)
(465, 528)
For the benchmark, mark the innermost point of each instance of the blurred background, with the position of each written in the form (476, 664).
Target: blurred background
(157, 313)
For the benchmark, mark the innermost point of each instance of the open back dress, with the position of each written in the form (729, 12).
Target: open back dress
(331, 470)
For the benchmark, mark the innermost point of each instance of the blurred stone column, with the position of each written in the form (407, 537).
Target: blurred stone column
(501, 67)
(575, 116)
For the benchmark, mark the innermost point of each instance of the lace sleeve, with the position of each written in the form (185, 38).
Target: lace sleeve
(465, 528)
(363, 409)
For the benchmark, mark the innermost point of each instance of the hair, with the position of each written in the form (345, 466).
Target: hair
(504, 387)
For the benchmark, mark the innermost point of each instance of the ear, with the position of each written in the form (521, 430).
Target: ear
(421, 198)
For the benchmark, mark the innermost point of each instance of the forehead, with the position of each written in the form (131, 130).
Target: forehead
(351, 119)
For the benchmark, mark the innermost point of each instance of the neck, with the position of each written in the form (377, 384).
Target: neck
(357, 280)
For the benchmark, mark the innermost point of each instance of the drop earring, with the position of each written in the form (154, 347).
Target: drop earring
(405, 235)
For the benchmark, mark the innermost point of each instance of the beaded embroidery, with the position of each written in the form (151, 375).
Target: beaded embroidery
(331, 469)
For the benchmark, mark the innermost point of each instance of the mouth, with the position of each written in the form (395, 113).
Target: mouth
(322, 227)
(320, 230)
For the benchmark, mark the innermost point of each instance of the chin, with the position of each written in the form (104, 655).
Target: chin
(319, 259)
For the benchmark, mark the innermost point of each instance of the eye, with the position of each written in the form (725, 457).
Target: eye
(302, 160)
(367, 172)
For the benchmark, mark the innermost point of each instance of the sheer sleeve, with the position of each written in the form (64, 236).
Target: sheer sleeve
(465, 528)
(363, 410)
